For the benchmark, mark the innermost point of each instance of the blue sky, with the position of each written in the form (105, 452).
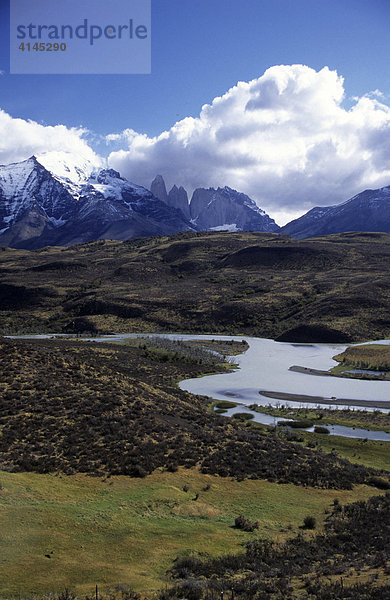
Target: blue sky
(200, 50)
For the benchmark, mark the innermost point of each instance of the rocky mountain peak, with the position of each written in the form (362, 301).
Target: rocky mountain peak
(225, 208)
(158, 189)
(105, 175)
(178, 198)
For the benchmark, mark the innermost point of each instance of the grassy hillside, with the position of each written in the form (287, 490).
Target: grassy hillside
(334, 288)
(77, 531)
(349, 560)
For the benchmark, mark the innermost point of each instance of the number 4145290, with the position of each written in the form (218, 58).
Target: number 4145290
(42, 47)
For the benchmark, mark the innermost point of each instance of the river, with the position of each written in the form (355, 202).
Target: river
(265, 367)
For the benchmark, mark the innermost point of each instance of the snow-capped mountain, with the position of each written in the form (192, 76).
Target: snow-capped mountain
(216, 209)
(59, 199)
(225, 208)
(69, 167)
(367, 211)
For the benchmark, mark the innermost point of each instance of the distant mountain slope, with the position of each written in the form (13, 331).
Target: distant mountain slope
(62, 199)
(367, 211)
(59, 200)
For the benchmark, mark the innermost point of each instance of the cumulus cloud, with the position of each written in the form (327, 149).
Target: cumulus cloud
(20, 139)
(285, 139)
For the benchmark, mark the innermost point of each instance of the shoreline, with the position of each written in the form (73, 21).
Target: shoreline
(345, 375)
(329, 401)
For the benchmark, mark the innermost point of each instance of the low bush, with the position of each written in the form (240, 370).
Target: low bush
(243, 416)
(296, 424)
(245, 524)
(379, 483)
(309, 522)
(319, 429)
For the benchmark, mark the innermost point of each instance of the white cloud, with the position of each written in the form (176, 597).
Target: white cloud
(376, 93)
(20, 139)
(285, 139)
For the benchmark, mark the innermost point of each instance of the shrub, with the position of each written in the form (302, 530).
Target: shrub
(319, 429)
(303, 424)
(309, 522)
(172, 467)
(243, 416)
(138, 471)
(66, 595)
(189, 590)
(379, 483)
(245, 524)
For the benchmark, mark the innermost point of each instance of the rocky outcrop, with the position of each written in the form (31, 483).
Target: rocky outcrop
(215, 209)
(178, 198)
(158, 189)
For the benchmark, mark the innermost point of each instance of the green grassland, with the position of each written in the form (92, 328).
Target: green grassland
(334, 288)
(370, 453)
(77, 531)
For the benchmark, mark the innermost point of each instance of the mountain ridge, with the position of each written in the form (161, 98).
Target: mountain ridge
(38, 207)
(61, 199)
(367, 211)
